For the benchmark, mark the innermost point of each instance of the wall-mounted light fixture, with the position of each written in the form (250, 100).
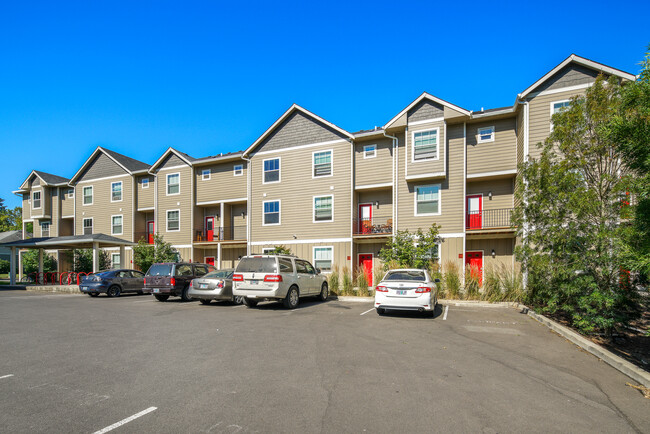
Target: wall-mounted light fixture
(377, 203)
(493, 253)
(243, 213)
(490, 194)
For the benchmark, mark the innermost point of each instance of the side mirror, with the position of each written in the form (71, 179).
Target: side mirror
(437, 280)
(318, 270)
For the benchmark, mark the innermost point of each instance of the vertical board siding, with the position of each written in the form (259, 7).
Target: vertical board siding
(378, 170)
(223, 184)
(450, 249)
(503, 249)
(493, 156)
(230, 256)
(102, 166)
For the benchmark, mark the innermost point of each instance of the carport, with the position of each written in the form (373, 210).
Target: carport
(94, 241)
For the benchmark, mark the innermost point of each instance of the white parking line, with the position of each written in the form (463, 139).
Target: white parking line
(124, 421)
(6, 376)
(239, 305)
(145, 301)
(444, 318)
(369, 310)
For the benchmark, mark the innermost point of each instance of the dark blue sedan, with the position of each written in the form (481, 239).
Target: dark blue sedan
(112, 283)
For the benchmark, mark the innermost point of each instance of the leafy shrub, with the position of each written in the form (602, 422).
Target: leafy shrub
(4, 266)
(492, 285)
(362, 282)
(347, 282)
(472, 284)
(451, 280)
(333, 280)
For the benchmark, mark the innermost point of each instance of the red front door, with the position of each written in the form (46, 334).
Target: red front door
(474, 212)
(475, 261)
(365, 218)
(150, 231)
(209, 228)
(365, 263)
(209, 260)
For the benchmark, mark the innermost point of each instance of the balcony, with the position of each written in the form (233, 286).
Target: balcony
(373, 226)
(489, 219)
(228, 233)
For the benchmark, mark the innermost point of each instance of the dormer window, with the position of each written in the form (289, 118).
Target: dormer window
(425, 145)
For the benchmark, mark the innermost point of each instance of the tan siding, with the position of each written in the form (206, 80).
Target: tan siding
(223, 184)
(493, 156)
(428, 166)
(503, 249)
(296, 191)
(102, 166)
(55, 210)
(520, 144)
(230, 256)
(67, 204)
(145, 196)
(103, 209)
(27, 209)
(182, 202)
(502, 192)
(450, 250)
(378, 170)
(340, 252)
(382, 204)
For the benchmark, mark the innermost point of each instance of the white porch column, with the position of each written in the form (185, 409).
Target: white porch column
(123, 257)
(40, 260)
(95, 257)
(20, 265)
(218, 264)
(12, 267)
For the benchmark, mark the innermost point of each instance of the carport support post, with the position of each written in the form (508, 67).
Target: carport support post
(95, 257)
(20, 265)
(12, 267)
(123, 257)
(40, 265)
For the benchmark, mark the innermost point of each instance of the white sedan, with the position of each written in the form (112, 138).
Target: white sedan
(406, 289)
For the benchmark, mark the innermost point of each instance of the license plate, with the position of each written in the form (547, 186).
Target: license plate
(203, 286)
(156, 290)
(401, 292)
(83, 288)
(254, 282)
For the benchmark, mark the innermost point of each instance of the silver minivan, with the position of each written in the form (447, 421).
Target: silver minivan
(277, 277)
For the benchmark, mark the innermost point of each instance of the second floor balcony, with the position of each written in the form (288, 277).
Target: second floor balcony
(489, 219)
(227, 233)
(373, 226)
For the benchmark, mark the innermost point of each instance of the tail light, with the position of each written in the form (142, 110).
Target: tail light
(220, 284)
(237, 277)
(381, 288)
(192, 283)
(273, 278)
(422, 289)
(173, 281)
(145, 280)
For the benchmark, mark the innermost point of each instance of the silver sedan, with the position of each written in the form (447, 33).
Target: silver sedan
(216, 285)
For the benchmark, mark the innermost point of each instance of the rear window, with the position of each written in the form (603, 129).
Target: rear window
(160, 270)
(219, 275)
(417, 276)
(257, 265)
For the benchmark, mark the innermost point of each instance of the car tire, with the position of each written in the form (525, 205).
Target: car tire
(204, 301)
(140, 292)
(238, 299)
(292, 299)
(113, 291)
(249, 302)
(161, 297)
(324, 292)
(381, 311)
(185, 295)
(93, 294)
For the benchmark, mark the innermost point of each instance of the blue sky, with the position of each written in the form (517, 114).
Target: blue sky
(210, 77)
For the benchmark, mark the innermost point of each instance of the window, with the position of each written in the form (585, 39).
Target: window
(425, 145)
(116, 225)
(323, 208)
(45, 229)
(116, 191)
(205, 174)
(145, 182)
(322, 164)
(200, 270)
(115, 261)
(70, 194)
(173, 184)
(173, 220)
(36, 202)
(486, 134)
(285, 265)
(268, 250)
(271, 213)
(88, 195)
(557, 107)
(88, 226)
(183, 270)
(370, 151)
(323, 258)
(427, 199)
(271, 170)
(238, 170)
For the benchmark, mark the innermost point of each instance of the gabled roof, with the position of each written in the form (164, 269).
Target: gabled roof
(47, 178)
(573, 58)
(293, 108)
(183, 156)
(430, 98)
(130, 165)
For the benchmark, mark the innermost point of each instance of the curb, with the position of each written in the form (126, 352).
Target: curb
(622, 365)
(353, 298)
(479, 303)
(64, 289)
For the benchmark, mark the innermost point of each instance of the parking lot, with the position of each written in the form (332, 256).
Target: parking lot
(75, 364)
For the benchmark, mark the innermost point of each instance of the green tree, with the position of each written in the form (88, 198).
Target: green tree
(570, 212)
(83, 260)
(412, 250)
(280, 250)
(30, 262)
(145, 254)
(10, 219)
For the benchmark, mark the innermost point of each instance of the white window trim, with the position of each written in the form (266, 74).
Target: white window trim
(121, 191)
(205, 172)
(313, 154)
(365, 152)
(415, 200)
(238, 169)
(279, 213)
(40, 199)
(313, 208)
(49, 227)
(83, 196)
(145, 183)
(167, 193)
(279, 170)
(70, 193)
(313, 256)
(478, 134)
(550, 118)
(267, 250)
(92, 226)
(167, 220)
(113, 255)
(437, 130)
(117, 215)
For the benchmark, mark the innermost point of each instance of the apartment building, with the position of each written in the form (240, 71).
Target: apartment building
(332, 196)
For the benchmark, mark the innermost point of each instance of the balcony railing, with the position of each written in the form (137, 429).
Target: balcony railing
(228, 233)
(489, 219)
(373, 226)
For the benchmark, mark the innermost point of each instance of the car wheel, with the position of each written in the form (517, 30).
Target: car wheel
(113, 291)
(249, 302)
(185, 295)
(238, 299)
(204, 301)
(324, 292)
(291, 300)
(381, 311)
(160, 297)
(93, 294)
(140, 292)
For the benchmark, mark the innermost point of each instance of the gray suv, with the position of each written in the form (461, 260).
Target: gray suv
(277, 277)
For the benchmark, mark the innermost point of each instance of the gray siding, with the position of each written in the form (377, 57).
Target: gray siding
(172, 160)
(425, 109)
(101, 167)
(570, 75)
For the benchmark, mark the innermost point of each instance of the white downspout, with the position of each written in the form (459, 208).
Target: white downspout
(394, 193)
(249, 193)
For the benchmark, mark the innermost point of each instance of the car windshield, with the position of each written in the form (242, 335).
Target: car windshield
(160, 270)
(219, 275)
(415, 275)
(257, 265)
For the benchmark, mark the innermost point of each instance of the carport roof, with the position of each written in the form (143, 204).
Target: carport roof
(69, 242)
